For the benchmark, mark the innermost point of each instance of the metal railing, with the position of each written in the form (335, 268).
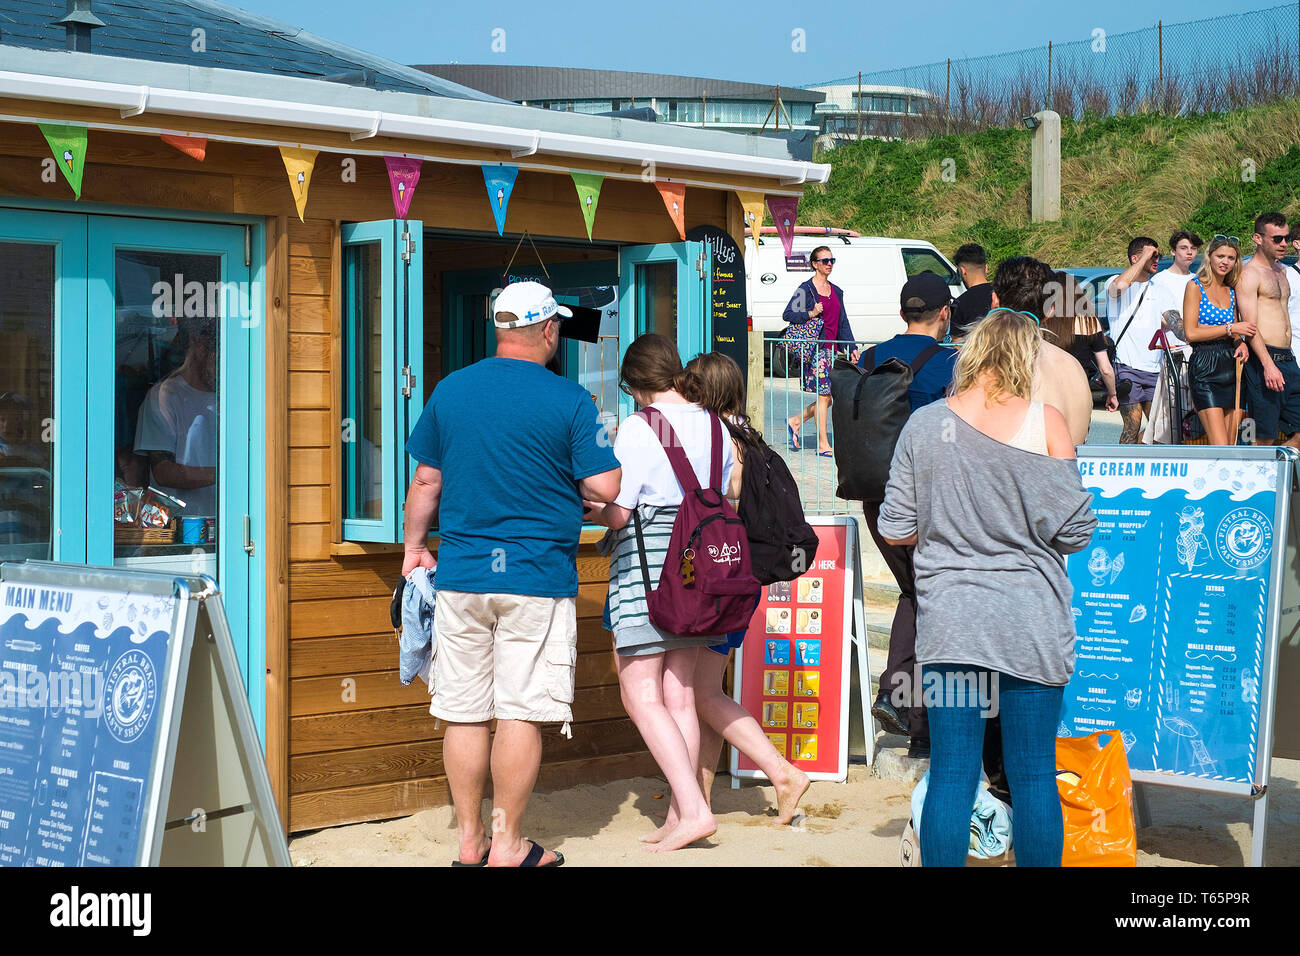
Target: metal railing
(784, 397)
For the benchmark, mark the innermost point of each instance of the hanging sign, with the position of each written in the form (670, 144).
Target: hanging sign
(588, 186)
(752, 204)
(403, 177)
(298, 163)
(68, 144)
(728, 309)
(500, 183)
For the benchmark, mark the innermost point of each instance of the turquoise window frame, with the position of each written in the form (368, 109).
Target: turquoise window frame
(67, 235)
(694, 261)
(401, 245)
(83, 428)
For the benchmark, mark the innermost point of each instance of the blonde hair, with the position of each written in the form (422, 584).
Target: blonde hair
(1004, 344)
(1204, 272)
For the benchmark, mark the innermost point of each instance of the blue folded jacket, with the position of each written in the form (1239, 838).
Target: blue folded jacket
(416, 644)
(990, 821)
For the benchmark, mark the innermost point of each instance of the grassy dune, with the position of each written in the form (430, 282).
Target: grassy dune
(1120, 177)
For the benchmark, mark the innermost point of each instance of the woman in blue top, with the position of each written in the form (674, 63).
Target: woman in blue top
(1217, 339)
(814, 299)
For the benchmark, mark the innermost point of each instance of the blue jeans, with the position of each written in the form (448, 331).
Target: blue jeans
(1030, 713)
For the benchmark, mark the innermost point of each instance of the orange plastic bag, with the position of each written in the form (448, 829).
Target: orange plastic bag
(1098, 809)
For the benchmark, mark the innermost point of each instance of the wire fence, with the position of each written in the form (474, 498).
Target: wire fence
(1214, 64)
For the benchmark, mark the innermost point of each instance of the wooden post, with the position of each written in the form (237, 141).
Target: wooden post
(1048, 104)
(860, 102)
(947, 93)
(1160, 69)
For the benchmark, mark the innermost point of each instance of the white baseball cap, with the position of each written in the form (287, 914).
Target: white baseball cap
(529, 302)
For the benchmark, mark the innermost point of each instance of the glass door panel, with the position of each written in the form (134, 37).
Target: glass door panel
(27, 467)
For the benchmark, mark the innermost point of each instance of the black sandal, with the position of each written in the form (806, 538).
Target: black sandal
(537, 852)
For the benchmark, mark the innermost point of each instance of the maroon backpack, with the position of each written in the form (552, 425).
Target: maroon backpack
(706, 586)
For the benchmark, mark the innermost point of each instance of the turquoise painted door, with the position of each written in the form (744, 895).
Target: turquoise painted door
(43, 398)
(665, 288)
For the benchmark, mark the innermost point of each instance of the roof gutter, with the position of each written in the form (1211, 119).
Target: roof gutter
(131, 101)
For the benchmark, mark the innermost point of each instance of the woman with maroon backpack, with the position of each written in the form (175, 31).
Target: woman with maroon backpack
(656, 669)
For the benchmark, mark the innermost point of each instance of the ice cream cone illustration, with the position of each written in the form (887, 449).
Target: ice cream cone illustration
(588, 200)
(67, 159)
(501, 198)
(302, 181)
(401, 190)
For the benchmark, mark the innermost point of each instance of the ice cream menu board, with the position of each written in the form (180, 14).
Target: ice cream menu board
(792, 673)
(1170, 602)
(80, 689)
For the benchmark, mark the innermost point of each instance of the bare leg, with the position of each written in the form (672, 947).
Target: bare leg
(728, 718)
(516, 755)
(823, 413)
(465, 749)
(1131, 415)
(642, 683)
(1215, 424)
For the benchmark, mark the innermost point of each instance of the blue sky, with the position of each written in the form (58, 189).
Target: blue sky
(738, 41)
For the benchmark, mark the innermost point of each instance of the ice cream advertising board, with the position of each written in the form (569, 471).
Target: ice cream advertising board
(1174, 604)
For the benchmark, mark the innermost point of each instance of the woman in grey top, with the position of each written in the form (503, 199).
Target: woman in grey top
(985, 486)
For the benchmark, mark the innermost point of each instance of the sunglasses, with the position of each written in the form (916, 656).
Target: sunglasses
(829, 262)
(623, 387)
(1281, 238)
(1232, 240)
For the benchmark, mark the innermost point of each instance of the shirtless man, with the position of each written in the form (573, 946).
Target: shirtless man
(1059, 380)
(1271, 377)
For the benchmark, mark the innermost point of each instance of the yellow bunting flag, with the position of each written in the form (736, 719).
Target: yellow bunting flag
(196, 147)
(674, 195)
(298, 164)
(588, 186)
(68, 144)
(752, 203)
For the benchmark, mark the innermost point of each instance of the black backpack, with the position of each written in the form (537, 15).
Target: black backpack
(782, 544)
(869, 407)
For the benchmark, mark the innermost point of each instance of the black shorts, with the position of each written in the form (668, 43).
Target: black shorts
(1212, 374)
(1274, 411)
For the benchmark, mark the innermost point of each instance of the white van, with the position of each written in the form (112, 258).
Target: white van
(870, 269)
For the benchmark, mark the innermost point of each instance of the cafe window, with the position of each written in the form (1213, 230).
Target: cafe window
(382, 373)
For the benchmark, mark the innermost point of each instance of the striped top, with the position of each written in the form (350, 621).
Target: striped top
(1211, 314)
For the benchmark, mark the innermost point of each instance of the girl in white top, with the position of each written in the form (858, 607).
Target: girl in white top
(656, 670)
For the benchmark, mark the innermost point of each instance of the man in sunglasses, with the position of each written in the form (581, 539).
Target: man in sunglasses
(1271, 376)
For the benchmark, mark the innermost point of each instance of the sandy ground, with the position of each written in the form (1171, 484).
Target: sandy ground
(858, 823)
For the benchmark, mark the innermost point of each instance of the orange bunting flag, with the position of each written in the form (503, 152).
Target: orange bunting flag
(674, 195)
(196, 147)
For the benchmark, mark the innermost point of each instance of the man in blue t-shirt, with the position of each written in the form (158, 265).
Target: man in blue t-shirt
(507, 450)
(926, 307)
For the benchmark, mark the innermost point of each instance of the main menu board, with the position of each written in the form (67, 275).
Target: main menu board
(792, 672)
(81, 674)
(1171, 602)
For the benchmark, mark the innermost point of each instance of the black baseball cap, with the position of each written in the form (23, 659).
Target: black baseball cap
(924, 293)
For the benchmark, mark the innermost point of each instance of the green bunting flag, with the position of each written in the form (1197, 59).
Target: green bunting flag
(588, 186)
(68, 144)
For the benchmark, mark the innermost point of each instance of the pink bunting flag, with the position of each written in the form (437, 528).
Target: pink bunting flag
(784, 209)
(403, 176)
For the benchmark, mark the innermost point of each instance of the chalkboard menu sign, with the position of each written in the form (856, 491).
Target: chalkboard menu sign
(80, 671)
(96, 759)
(1175, 609)
(728, 309)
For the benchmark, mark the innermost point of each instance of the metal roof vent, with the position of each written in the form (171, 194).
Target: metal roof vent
(78, 22)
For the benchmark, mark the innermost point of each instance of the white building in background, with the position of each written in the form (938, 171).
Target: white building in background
(881, 114)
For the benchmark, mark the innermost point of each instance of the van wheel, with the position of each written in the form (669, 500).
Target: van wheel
(779, 368)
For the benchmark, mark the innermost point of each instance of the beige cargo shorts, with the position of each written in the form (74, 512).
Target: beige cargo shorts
(503, 656)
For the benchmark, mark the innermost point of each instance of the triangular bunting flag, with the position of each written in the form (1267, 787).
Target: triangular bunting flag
(675, 200)
(752, 203)
(298, 163)
(68, 144)
(192, 146)
(500, 182)
(403, 176)
(784, 209)
(588, 186)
